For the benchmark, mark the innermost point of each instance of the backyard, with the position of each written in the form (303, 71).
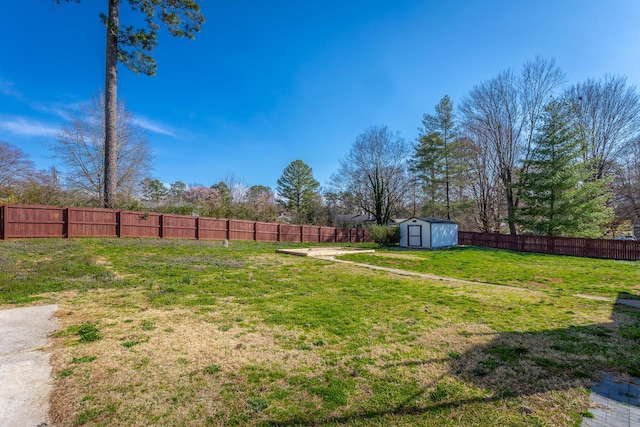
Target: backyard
(174, 332)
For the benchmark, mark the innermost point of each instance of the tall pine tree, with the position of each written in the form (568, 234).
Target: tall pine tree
(132, 46)
(432, 160)
(298, 191)
(557, 196)
(428, 164)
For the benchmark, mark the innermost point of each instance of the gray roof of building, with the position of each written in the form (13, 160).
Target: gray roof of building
(432, 220)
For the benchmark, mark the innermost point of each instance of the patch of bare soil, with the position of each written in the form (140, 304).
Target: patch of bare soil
(538, 285)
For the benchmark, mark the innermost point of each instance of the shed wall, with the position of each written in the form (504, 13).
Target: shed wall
(426, 233)
(444, 235)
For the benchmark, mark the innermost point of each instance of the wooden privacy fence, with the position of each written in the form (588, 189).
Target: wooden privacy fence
(591, 248)
(31, 221)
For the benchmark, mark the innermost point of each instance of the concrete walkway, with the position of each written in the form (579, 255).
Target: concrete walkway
(25, 382)
(614, 403)
(420, 275)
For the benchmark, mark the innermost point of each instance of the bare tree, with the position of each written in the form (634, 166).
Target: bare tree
(607, 115)
(626, 184)
(374, 172)
(40, 188)
(79, 146)
(483, 183)
(237, 187)
(504, 112)
(15, 165)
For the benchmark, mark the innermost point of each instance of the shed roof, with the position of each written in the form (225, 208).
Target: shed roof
(431, 220)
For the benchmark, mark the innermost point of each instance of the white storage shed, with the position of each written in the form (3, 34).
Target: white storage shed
(430, 233)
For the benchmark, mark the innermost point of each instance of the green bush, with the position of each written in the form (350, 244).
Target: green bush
(385, 235)
(89, 333)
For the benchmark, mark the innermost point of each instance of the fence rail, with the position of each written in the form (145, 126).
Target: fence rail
(591, 248)
(33, 221)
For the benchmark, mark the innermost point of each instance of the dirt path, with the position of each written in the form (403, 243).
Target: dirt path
(25, 381)
(421, 275)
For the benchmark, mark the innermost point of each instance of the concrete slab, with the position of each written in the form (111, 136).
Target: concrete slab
(324, 251)
(630, 302)
(614, 403)
(25, 372)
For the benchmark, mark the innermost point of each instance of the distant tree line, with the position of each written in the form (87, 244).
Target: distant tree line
(523, 153)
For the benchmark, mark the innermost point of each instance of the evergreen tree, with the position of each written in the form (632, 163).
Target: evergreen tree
(432, 159)
(153, 190)
(427, 163)
(557, 196)
(298, 190)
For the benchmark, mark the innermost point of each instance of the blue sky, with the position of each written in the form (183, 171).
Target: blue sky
(266, 83)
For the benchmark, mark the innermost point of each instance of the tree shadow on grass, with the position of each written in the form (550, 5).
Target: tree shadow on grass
(524, 369)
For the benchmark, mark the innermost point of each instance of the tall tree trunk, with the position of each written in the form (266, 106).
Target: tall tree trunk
(511, 211)
(110, 106)
(446, 177)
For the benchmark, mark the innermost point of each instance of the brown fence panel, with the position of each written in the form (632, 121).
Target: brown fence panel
(290, 233)
(140, 224)
(592, 248)
(266, 232)
(310, 234)
(360, 235)
(179, 226)
(343, 235)
(33, 221)
(533, 244)
(213, 229)
(570, 246)
(241, 230)
(87, 222)
(615, 249)
(327, 234)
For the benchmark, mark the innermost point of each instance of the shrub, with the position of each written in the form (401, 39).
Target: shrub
(89, 333)
(385, 235)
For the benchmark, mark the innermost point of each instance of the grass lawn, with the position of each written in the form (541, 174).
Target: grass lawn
(162, 332)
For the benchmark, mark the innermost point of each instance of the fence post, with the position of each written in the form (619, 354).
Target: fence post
(278, 238)
(66, 229)
(255, 231)
(118, 223)
(586, 248)
(228, 229)
(197, 228)
(161, 230)
(3, 215)
(301, 233)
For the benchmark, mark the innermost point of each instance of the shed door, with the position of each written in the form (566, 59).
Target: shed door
(415, 235)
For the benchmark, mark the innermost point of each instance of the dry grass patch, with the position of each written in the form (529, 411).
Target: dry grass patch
(186, 366)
